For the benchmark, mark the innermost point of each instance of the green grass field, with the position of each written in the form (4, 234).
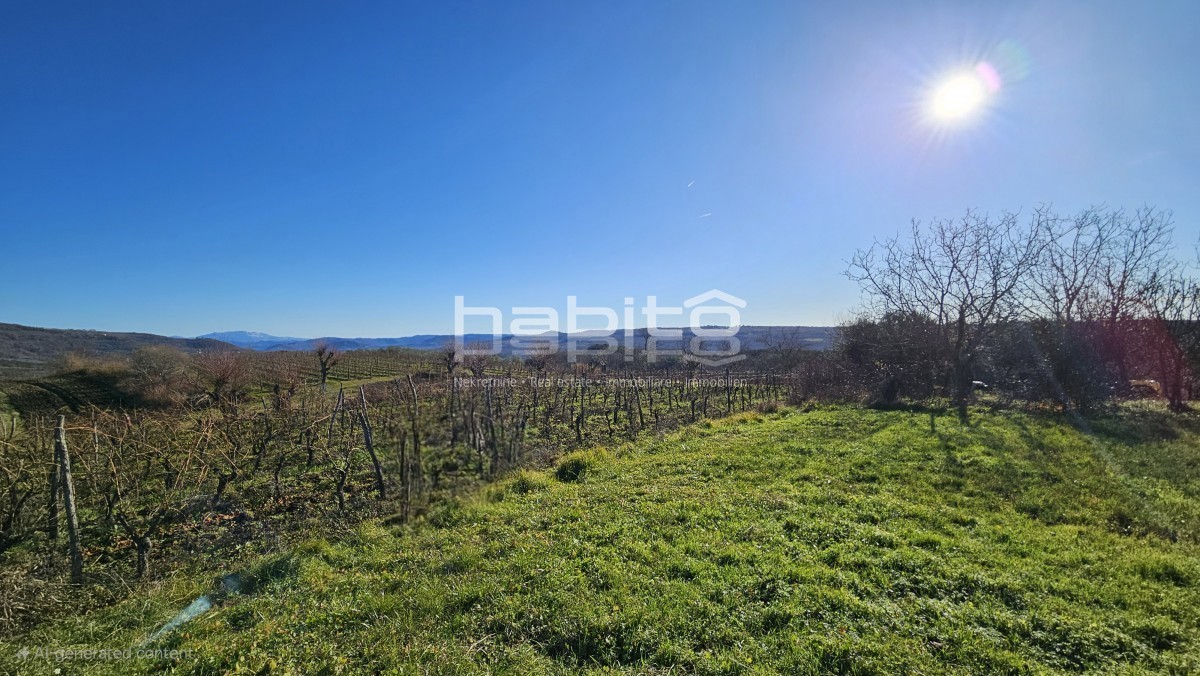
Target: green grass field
(829, 540)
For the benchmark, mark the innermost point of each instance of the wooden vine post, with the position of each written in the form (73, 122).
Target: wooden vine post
(67, 485)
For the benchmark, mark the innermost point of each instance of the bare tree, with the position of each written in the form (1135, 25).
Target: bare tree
(1135, 256)
(449, 352)
(964, 275)
(327, 357)
(476, 359)
(1132, 263)
(786, 347)
(1066, 282)
(538, 361)
(1082, 296)
(1173, 301)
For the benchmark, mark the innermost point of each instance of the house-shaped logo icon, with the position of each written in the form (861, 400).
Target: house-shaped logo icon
(715, 294)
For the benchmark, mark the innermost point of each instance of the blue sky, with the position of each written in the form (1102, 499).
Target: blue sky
(348, 168)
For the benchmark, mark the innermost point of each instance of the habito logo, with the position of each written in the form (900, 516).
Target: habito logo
(702, 329)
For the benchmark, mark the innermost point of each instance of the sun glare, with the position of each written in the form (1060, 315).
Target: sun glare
(959, 97)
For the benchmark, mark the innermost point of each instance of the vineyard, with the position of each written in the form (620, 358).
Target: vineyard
(352, 366)
(79, 386)
(95, 495)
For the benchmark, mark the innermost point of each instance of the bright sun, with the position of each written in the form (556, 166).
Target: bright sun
(958, 97)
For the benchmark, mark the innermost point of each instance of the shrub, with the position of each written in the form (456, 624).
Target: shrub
(573, 467)
(768, 407)
(527, 482)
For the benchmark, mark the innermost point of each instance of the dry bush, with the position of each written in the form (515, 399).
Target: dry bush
(76, 362)
(158, 375)
(222, 376)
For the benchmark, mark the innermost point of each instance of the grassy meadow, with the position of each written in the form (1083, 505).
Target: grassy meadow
(832, 539)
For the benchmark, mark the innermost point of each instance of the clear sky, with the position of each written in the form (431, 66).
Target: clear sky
(348, 168)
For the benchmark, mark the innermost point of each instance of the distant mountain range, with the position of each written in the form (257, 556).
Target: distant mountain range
(27, 352)
(251, 339)
(265, 342)
(751, 337)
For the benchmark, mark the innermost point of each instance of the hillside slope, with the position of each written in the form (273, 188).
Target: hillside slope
(838, 540)
(27, 351)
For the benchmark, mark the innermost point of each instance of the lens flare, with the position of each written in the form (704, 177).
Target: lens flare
(989, 76)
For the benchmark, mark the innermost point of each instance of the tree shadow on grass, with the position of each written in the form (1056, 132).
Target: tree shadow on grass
(1144, 425)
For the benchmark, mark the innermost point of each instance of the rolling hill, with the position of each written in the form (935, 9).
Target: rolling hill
(28, 352)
